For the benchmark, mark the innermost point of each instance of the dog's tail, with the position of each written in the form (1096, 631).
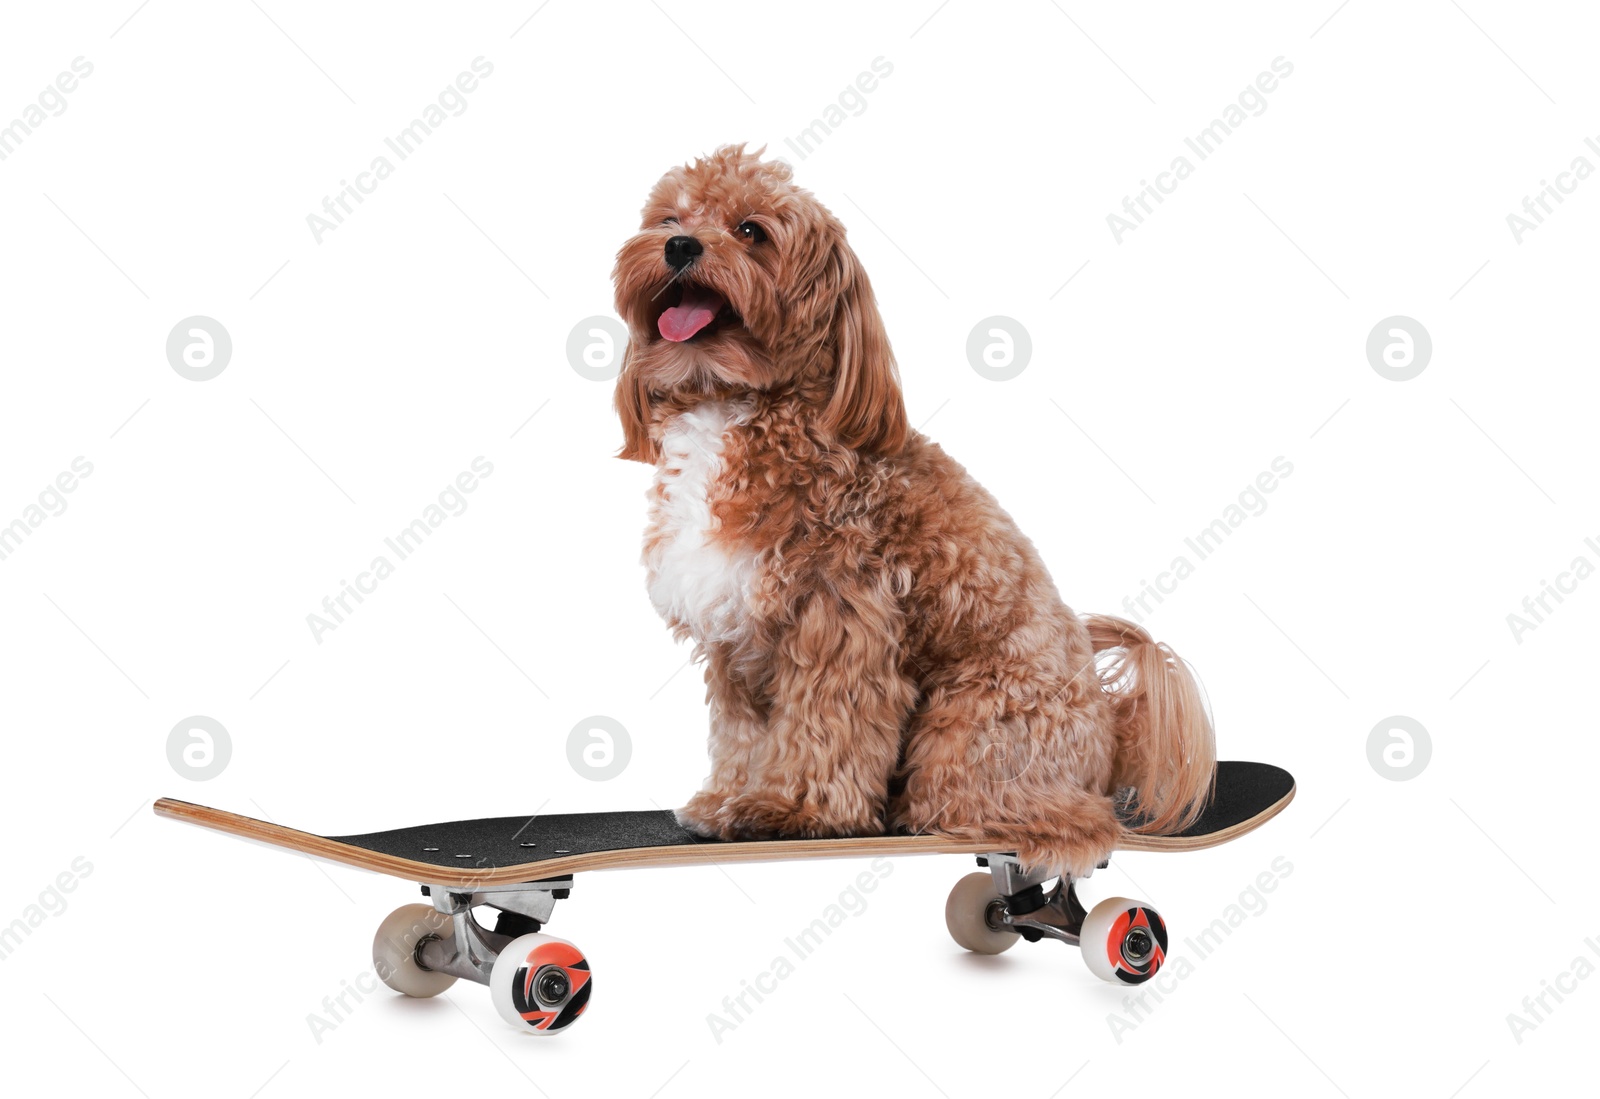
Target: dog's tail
(1166, 749)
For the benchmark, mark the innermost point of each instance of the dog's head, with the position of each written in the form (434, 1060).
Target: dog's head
(739, 281)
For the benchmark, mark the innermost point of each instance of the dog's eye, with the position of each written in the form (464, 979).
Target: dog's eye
(669, 221)
(751, 232)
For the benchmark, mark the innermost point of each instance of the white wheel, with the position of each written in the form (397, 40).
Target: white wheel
(394, 950)
(540, 984)
(973, 916)
(1123, 941)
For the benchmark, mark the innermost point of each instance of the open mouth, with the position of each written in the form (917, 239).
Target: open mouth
(692, 310)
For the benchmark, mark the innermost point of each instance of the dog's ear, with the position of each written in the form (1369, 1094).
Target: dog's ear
(867, 411)
(633, 409)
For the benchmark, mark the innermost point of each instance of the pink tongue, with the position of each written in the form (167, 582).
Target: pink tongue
(698, 309)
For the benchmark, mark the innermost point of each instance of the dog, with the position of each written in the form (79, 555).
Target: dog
(884, 650)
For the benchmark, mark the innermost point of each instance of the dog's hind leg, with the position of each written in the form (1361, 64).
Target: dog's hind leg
(1070, 833)
(1030, 782)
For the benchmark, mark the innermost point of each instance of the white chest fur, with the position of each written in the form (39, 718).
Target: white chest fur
(695, 582)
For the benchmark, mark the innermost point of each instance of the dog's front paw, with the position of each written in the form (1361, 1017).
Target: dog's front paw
(706, 815)
(767, 816)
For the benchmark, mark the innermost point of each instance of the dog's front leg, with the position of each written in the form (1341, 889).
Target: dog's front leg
(738, 725)
(832, 737)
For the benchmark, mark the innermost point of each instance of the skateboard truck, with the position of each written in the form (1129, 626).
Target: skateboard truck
(536, 981)
(471, 950)
(1122, 940)
(1028, 909)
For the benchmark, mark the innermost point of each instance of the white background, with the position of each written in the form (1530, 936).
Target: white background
(370, 369)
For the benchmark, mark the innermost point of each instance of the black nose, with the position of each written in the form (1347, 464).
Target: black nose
(681, 251)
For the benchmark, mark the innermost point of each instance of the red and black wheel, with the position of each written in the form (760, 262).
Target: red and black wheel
(540, 984)
(1124, 941)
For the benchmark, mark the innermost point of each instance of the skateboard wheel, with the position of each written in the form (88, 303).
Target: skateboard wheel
(1123, 941)
(974, 912)
(540, 984)
(394, 950)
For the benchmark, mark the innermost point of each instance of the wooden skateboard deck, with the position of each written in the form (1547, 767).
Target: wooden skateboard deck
(517, 868)
(507, 850)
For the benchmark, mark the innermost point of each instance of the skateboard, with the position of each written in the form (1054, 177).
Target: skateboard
(518, 868)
